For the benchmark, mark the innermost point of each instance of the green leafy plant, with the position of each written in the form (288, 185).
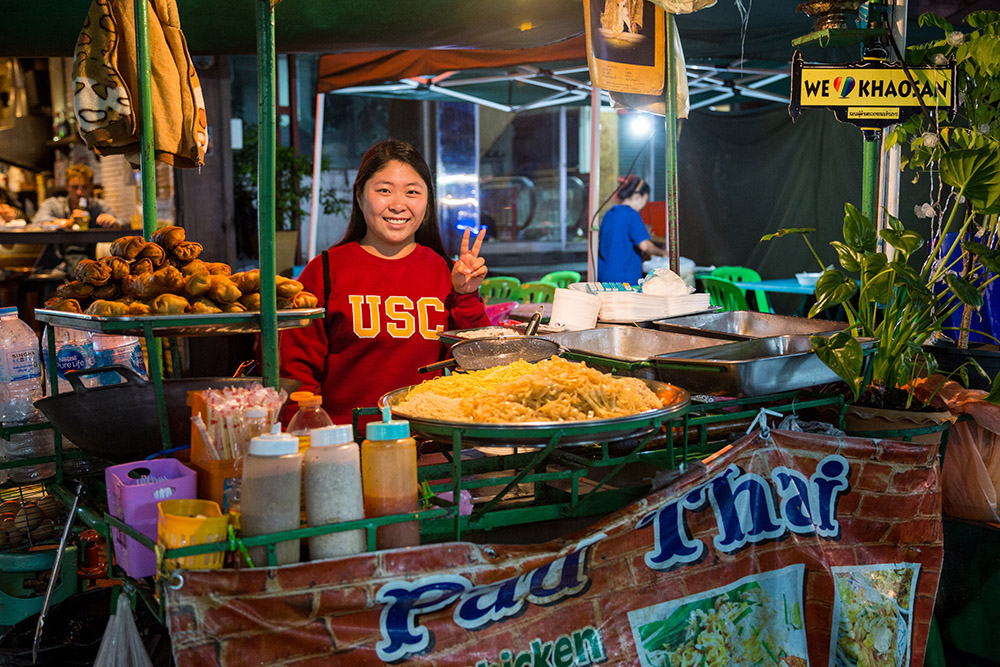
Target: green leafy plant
(290, 171)
(886, 293)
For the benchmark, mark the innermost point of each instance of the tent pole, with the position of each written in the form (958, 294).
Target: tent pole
(317, 171)
(670, 125)
(595, 180)
(147, 167)
(265, 190)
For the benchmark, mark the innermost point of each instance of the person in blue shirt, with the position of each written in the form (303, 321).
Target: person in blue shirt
(623, 236)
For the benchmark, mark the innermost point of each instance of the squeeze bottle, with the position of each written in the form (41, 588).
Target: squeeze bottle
(389, 479)
(333, 490)
(270, 494)
(310, 416)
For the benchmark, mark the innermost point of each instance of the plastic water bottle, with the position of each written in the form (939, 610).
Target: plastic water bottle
(117, 351)
(310, 416)
(74, 352)
(21, 379)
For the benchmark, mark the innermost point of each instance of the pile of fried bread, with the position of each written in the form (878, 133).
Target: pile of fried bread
(166, 276)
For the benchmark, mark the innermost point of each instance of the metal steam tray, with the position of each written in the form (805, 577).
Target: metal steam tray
(748, 368)
(625, 350)
(177, 325)
(747, 324)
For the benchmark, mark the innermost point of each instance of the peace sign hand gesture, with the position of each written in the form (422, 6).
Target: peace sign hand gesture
(468, 272)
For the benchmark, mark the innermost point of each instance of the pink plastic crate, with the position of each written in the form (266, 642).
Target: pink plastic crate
(134, 490)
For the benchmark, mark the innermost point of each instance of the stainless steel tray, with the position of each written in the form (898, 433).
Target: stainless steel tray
(747, 368)
(177, 325)
(627, 344)
(539, 433)
(747, 324)
(457, 335)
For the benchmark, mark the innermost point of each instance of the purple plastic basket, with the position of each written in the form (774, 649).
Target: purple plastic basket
(134, 490)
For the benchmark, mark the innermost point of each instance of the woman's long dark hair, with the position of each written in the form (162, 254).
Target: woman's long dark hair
(378, 156)
(633, 185)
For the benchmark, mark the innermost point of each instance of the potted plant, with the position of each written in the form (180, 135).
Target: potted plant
(291, 171)
(887, 294)
(934, 144)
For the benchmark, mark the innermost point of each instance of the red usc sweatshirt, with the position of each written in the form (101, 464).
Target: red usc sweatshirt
(382, 321)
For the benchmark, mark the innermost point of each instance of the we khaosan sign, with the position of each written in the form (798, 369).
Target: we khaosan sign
(871, 94)
(784, 551)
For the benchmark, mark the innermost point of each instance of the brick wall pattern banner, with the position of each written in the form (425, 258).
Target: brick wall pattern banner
(785, 551)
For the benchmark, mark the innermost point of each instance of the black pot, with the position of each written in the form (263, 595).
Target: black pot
(987, 355)
(120, 422)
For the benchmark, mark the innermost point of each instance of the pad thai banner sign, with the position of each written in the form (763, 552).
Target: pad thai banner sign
(785, 551)
(872, 93)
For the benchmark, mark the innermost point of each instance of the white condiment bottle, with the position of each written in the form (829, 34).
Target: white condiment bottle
(270, 494)
(333, 490)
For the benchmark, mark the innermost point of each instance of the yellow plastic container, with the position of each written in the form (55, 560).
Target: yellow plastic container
(186, 522)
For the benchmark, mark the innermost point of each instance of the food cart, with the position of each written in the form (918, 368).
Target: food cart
(606, 594)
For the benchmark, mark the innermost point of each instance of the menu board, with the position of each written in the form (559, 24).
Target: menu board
(784, 551)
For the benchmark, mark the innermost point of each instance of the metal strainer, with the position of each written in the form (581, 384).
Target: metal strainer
(482, 353)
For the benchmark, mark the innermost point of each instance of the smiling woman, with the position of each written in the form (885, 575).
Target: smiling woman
(388, 288)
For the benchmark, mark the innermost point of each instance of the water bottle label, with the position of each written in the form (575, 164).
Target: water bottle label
(70, 359)
(21, 365)
(138, 365)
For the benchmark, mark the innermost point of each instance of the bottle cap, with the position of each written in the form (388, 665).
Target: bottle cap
(311, 402)
(331, 435)
(299, 396)
(388, 428)
(255, 413)
(9, 310)
(276, 444)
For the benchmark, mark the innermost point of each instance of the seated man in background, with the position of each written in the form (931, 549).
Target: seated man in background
(80, 186)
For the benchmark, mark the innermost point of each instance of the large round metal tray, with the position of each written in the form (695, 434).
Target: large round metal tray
(540, 433)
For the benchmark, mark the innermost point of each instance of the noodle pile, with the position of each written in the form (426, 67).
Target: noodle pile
(551, 390)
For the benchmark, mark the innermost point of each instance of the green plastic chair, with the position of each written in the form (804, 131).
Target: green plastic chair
(725, 293)
(738, 274)
(538, 292)
(500, 289)
(561, 278)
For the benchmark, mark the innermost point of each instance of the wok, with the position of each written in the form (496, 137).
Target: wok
(120, 422)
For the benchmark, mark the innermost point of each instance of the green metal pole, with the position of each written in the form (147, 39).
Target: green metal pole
(869, 178)
(145, 77)
(670, 123)
(265, 190)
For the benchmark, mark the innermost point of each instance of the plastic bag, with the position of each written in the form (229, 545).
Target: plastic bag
(122, 646)
(793, 423)
(970, 476)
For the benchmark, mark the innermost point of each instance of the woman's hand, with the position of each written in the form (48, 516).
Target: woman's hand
(469, 270)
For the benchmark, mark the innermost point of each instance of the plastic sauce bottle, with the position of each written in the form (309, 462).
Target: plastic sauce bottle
(270, 493)
(333, 490)
(389, 476)
(309, 417)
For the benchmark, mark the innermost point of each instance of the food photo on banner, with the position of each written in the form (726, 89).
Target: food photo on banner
(786, 549)
(626, 48)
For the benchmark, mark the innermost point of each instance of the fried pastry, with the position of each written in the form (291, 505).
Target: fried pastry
(64, 305)
(127, 247)
(251, 301)
(95, 273)
(305, 299)
(107, 292)
(141, 266)
(235, 307)
(193, 267)
(197, 284)
(135, 286)
(247, 281)
(219, 268)
(168, 304)
(223, 290)
(154, 252)
(166, 280)
(187, 251)
(286, 288)
(119, 267)
(204, 305)
(103, 308)
(168, 238)
(139, 308)
(281, 303)
(75, 290)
